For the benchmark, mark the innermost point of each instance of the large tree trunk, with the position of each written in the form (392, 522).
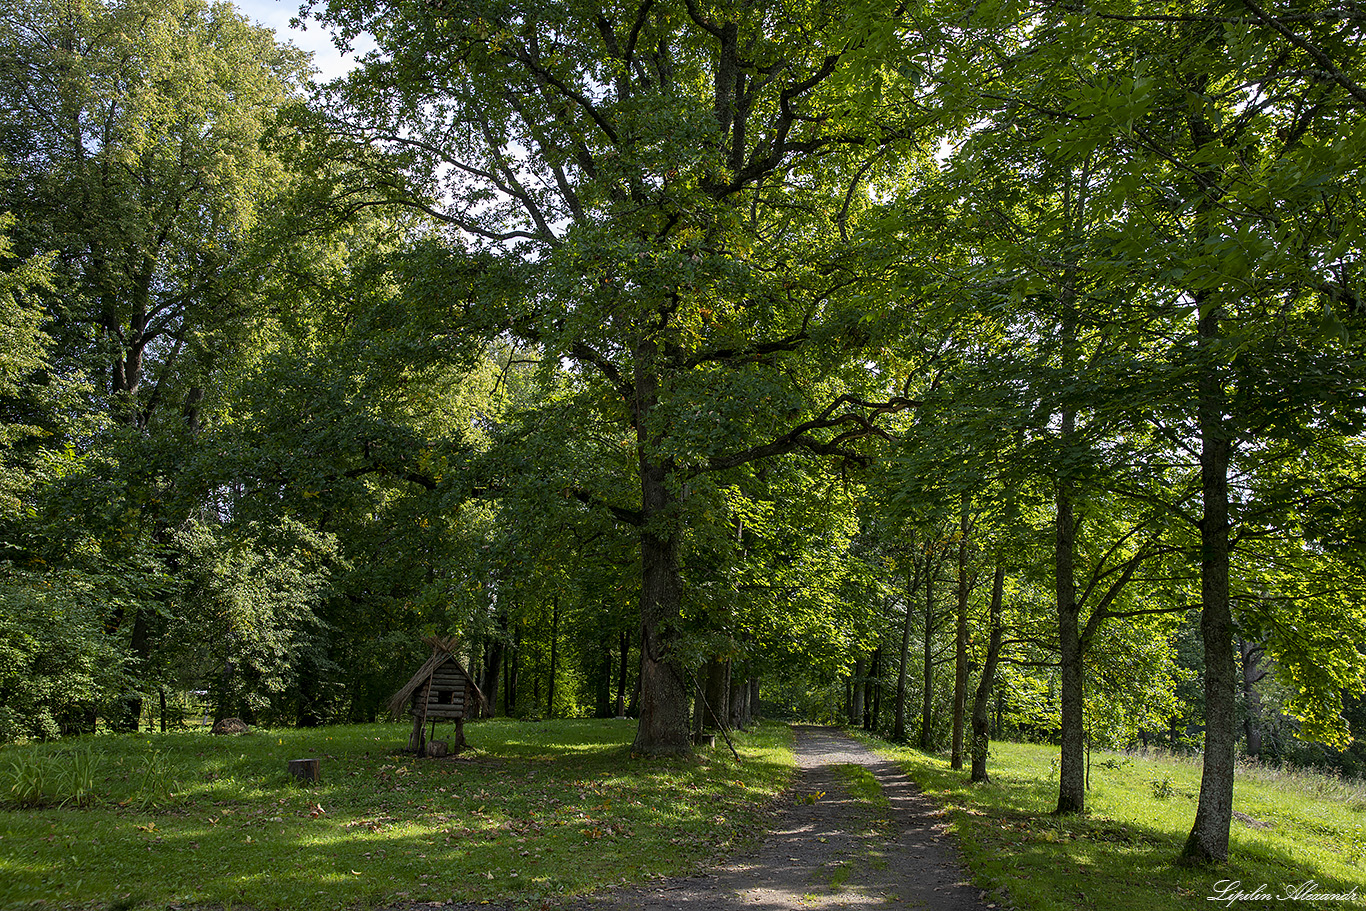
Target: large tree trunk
(960, 649)
(980, 720)
(1208, 841)
(663, 728)
(1072, 767)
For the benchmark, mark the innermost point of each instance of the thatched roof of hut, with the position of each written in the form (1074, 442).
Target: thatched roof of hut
(443, 650)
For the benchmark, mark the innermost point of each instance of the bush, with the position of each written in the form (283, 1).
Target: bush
(55, 658)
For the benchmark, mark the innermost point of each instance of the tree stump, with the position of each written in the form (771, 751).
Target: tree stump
(306, 771)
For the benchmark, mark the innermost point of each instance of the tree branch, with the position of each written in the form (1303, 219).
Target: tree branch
(799, 437)
(1312, 50)
(621, 514)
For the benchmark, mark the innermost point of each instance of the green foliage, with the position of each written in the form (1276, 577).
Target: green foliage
(249, 604)
(57, 663)
(557, 324)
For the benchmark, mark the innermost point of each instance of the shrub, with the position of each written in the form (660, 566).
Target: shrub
(55, 657)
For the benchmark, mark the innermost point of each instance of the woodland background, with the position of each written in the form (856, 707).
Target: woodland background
(961, 370)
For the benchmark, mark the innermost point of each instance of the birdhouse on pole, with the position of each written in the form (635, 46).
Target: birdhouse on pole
(441, 691)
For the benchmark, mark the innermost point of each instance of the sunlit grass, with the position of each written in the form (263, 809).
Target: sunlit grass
(862, 784)
(1296, 828)
(533, 810)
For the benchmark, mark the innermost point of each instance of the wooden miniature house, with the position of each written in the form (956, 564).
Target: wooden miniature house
(442, 691)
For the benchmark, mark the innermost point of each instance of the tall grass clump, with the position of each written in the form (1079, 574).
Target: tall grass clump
(35, 779)
(28, 780)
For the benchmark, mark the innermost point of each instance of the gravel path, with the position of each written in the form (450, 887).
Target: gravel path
(828, 850)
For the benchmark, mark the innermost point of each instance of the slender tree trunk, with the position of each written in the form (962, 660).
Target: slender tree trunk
(507, 687)
(602, 683)
(633, 704)
(716, 696)
(899, 707)
(747, 715)
(141, 648)
(981, 740)
(1208, 841)
(622, 673)
(859, 695)
(1072, 768)
(739, 686)
(870, 721)
(554, 657)
(514, 665)
(927, 677)
(699, 705)
(1250, 659)
(493, 667)
(960, 651)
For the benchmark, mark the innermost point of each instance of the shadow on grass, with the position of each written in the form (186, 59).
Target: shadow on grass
(1015, 844)
(384, 828)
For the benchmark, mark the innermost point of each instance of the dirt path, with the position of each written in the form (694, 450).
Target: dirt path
(828, 850)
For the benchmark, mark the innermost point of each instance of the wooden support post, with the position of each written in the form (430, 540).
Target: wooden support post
(418, 741)
(306, 771)
(457, 743)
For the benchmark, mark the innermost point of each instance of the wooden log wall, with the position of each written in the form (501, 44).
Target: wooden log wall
(450, 685)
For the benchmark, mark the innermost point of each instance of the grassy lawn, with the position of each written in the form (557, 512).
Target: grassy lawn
(532, 810)
(1302, 828)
